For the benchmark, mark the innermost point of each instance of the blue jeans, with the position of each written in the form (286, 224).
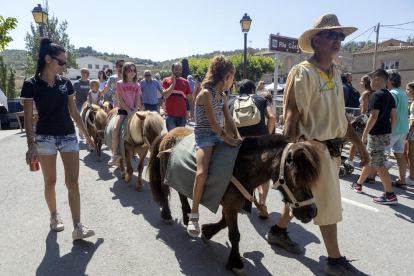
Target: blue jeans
(49, 145)
(174, 121)
(151, 107)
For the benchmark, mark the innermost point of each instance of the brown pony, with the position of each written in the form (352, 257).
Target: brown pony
(143, 128)
(258, 160)
(107, 106)
(96, 124)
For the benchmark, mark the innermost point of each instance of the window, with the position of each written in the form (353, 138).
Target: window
(390, 65)
(106, 66)
(96, 66)
(89, 66)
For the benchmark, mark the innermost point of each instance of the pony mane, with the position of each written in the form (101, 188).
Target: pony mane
(153, 120)
(101, 117)
(266, 142)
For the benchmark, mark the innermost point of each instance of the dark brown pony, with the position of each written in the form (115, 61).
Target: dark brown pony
(258, 161)
(96, 124)
(143, 128)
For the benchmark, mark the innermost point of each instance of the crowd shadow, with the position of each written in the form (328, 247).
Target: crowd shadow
(193, 256)
(296, 232)
(73, 263)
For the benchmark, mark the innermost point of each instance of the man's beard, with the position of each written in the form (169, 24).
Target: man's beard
(177, 75)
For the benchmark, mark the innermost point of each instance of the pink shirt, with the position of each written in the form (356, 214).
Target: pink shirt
(129, 92)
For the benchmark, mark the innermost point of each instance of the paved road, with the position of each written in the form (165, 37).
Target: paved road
(132, 240)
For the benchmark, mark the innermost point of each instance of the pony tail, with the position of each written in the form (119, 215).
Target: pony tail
(47, 47)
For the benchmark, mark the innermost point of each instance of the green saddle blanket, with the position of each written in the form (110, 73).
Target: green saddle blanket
(108, 135)
(182, 167)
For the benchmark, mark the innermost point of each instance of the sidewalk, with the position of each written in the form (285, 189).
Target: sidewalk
(6, 133)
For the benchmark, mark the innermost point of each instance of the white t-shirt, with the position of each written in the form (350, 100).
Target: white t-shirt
(95, 97)
(412, 111)
(261, 91)
(103, 83)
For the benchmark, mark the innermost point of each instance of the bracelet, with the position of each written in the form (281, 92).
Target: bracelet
(30, 137)
(30, 142)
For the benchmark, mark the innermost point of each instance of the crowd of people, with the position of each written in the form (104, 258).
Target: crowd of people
(315, 98)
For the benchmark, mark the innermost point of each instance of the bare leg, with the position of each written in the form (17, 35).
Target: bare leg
(329, 234)
(71, 165)
(263, 191)
(402, 166)
(284, 218)
(48, 165)
(364, 174)
(411, 158)
(385, 178)
(115, 134)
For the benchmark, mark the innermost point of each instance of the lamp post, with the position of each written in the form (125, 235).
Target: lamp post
(245, 25)
(40, 17)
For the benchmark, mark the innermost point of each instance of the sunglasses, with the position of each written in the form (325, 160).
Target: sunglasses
(120, 65)
(60, 62)
(334, 35)
(148, 75)
(132, 70)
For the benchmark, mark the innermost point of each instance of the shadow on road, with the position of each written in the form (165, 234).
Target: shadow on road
(297, 233)
(73, 263)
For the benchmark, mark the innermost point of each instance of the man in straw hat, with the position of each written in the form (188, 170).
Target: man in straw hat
(314, 109)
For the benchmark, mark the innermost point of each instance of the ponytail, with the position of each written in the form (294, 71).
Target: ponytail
(47, 47)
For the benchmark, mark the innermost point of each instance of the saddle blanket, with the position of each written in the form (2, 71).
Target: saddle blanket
(108, 135)
(182, 168)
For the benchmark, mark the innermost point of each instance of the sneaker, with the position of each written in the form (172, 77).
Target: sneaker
(408, 181)
(386, 200)
(260, 214)
(114, 159)
(389, 164)
(82, 232)
(56, 223)
(356, 187)
(282, 239)
(342, 268)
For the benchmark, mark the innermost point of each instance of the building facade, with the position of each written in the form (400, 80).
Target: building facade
(93, 64)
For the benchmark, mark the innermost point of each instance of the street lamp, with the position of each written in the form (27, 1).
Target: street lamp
(40, 17)
(245, 25)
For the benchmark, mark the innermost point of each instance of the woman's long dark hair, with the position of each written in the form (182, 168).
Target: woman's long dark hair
(103, 75)
(47, 47)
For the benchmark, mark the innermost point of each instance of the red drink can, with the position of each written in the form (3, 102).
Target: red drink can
(34, 164)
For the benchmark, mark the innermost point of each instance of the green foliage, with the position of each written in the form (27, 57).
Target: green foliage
(88, 51)
(3, 75)
(53, 30)
(256, 66)
(6, 25)
(11, 85)
(7, 84)
(15, 58)
(410, 40)
(353, 47)
(165, 74)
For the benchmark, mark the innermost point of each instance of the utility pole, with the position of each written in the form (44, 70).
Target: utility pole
(376, 47)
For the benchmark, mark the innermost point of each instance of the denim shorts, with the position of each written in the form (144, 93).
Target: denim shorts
(397, 143)
(376, 149)
(49, 145)
(206, 138)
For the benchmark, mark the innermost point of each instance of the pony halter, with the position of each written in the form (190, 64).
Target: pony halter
(282, 183)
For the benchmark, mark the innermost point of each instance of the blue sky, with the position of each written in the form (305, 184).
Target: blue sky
(161, 30)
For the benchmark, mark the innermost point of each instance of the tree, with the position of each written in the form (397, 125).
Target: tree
(53, 30)
(6, 25)
(3, 75)
(11, 85)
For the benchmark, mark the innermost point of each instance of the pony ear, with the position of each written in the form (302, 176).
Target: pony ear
(141, 116)
(295, 154)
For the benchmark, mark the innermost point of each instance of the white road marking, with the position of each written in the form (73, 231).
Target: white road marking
(360, 205)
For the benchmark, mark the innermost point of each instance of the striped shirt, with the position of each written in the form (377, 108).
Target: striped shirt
(201, 121)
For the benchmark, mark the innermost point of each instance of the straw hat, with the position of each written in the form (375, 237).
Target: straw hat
(324, 22)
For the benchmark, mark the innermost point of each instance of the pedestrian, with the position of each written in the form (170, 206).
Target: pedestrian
(140, 78)
(95, 95)
(381, 123)
(409, 90)
(149, 88)
(191, 82)
(211, 103)
(269, 97)
(197, 87)
(261, 88)
(129, 91)
(108, 72)
(366, 95)
(159, 93)
(102, 79)
(176, 90)
(112, 81)
(401, 129)
(248, 88)
(53, 95)
(82, 87)
(351, 95)
(314, 109)
(349, 77)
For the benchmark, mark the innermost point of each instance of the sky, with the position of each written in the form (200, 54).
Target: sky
(162, 30)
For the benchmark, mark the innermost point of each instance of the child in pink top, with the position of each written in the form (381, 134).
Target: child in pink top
(129, 96)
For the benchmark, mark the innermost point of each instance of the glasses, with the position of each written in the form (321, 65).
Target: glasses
(148, 75)
(60, 62)
(120, 65)
(334, 35)
(132, 70)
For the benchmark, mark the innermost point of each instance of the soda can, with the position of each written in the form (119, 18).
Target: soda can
(34, 164)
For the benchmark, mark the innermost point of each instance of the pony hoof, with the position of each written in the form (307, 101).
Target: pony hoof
(169, 221)
(141, 188)
(100, 159)
(128, 179)
(239, 271)
(123, 174)
(205, 239)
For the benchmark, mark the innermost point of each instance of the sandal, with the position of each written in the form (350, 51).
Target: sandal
(368, 180)
(193, 225)
(399, 185)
